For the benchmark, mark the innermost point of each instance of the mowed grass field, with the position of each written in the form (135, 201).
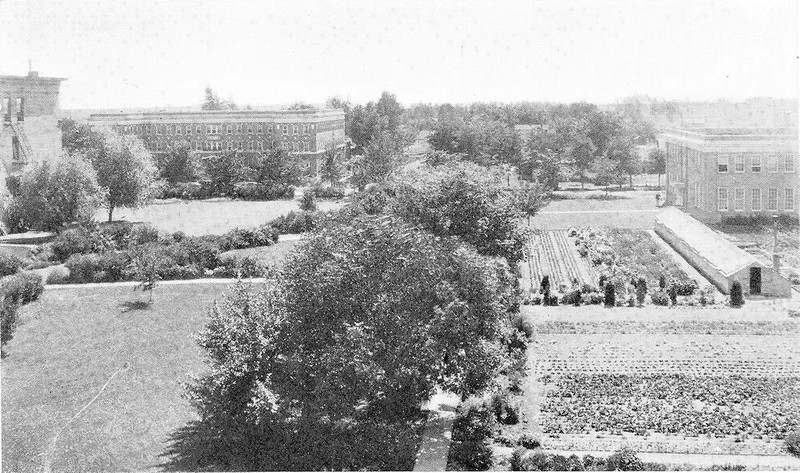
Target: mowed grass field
(686, 381)
(628, 209)
(209, 217)
(69, 344)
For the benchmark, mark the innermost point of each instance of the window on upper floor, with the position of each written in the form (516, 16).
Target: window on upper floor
(788, 162)
(229, 129)
(772, 163)
(739, 166)
(722, 163)
(285, 129)
(295, 129)
(755, 163)
(250, 128)
(260, 129)
(295, 147)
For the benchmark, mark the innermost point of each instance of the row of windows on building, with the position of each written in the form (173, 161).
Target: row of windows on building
(215, 145)
(214, 129)
(735, 199)
(755, 163)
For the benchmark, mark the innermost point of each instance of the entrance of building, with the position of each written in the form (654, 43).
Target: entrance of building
(755, 280)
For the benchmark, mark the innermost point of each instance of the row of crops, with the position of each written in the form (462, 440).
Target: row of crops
(582, 403)
(552, 253)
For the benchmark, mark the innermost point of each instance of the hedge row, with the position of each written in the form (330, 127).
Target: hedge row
(15, 291)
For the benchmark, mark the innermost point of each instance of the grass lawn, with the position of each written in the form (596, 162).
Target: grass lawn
(68, 345)
(212, 216)
(635, 210)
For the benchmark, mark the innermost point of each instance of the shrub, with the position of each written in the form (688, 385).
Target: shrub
(296, 222)
(21, 288)
(549, 300)
(203, 251)
(9, 264)
(73, 241)
(609, 298)
(112, 265)
(624, 459)
(250, 267)
(307, 203)
(142, 235)
(793, 443)
(529, 441)
(82, 268)
(673, 294)
(641, 291)
(544, 287)
(240, 238)
(58, 275)
(662, 282)
(737, 299)
(684, 287)
(8, 321)
(659, 298)
(572, 298)
(516, 462)
(505, 411)
(257, 191)
(523, 325)
(469, 449)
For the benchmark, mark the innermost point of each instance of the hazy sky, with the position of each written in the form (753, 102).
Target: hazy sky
(148, 53)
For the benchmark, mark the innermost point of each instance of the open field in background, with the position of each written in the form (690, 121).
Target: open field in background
(635, 209)
(691, 381)
(212, 216)
(68, 345)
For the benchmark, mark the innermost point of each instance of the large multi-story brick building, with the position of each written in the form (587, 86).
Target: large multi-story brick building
(303, 133)
(29, 132)
(717, 173)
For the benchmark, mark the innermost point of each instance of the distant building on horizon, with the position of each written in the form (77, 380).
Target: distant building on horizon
(304, 133)
(29, 132)
(715, 173)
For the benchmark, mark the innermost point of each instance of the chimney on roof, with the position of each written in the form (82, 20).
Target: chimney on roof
(33, 74)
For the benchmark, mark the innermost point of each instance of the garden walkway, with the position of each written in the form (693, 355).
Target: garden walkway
(432, 454)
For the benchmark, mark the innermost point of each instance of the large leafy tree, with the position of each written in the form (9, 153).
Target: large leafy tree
(464, 200)
(381, 158)
(367, 318)
(125, 169)
(330, 170)
(278, 167)
(658, 162)
(52, 194)
(179, 164)
(76, 136)
(213, 102)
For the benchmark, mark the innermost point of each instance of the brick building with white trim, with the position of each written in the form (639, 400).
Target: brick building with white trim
(719, 173)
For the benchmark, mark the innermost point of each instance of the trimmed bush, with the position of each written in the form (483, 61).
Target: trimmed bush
(572, 298)
(297, 222)
(327, 192)
(610, 295)
(660, 298)
(73, 241)
(21, 288)
(505, 411)
(142, 235)
(240, 238)
(9, 264)
(662, 282)
(523, 325)
(624, 459)
(8, 321)
(544, 287)
(673, 294)
(641, 291)
(58, 275)
(529, 441)
(82, 268)
(737, 299)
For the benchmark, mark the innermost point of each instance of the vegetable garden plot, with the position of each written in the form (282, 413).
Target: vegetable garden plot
(716, 406)
(551, 253)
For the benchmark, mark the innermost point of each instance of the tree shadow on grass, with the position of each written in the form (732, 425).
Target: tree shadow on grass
(128, 306)
(196, 447)
(369, 445)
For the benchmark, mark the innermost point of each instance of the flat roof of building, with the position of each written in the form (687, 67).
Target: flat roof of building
(723, 255)
(219, 114)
